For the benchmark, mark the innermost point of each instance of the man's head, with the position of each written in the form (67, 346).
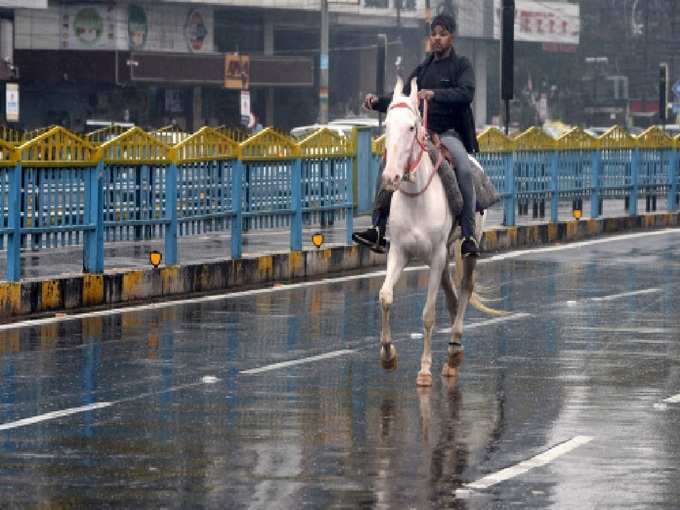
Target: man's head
(442, 30)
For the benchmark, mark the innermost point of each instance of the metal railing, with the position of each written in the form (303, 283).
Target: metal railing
(533, 170)
(60, 189)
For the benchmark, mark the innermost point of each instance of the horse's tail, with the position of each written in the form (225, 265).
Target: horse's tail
(475, 299)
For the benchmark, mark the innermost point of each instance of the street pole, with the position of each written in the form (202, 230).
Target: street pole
(381, 58)
(428, 25)
(507, 57)
(663, 93)
(323, 65)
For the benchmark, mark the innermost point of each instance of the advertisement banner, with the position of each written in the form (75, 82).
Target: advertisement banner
(12, 102)
(135, 26)
(176, 29)
(245, 107)
(236, 71)
(545, 22)
(88, 27)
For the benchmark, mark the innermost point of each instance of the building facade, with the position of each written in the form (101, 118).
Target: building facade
(154, 63)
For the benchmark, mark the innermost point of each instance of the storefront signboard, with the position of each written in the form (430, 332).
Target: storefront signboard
(546, 22)
(23, 4)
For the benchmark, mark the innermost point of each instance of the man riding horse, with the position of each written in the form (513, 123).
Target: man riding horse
(447, 81)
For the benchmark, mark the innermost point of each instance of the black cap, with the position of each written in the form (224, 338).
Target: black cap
(445, 21)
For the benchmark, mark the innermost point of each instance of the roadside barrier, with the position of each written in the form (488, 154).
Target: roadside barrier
(60, 189)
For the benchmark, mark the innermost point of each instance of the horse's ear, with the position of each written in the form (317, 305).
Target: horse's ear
(414, 92)
(398, 89)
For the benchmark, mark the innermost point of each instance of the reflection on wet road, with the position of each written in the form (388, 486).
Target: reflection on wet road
(275, 398)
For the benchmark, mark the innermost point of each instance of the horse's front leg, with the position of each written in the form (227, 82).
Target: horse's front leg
(456, 345)
(437, 265)
(396, 261)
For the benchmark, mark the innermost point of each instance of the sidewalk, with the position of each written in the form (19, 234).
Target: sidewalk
(214, 247)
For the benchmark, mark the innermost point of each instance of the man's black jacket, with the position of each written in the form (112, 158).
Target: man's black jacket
(453, 81)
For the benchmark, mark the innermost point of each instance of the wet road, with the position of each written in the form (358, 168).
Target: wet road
(274, 398)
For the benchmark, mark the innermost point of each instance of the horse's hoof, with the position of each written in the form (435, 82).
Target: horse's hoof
(389, 364)
(389, 361)
(424, 380)
(448, 371)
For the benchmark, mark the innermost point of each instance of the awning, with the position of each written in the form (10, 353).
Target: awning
(265, 71)
(75, 66)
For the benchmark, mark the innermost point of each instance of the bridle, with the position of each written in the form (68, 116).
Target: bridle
(420, 139)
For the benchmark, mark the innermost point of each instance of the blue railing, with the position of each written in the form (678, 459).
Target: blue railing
(128, 191)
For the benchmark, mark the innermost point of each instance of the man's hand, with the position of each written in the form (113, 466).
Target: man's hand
(369, 101)
(425, 95)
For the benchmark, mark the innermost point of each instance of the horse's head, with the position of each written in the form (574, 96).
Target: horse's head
(403, 136)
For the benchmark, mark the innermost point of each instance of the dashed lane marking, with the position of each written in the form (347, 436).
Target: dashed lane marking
(518, 469)
(62, 413)
(302, 361)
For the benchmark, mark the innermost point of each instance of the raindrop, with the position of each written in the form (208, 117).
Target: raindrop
(660, 406)
(416, 336)
(209, 379)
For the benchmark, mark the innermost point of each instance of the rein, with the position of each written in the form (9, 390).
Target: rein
(420, 140)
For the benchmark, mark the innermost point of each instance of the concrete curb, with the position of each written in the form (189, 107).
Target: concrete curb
(115, 288)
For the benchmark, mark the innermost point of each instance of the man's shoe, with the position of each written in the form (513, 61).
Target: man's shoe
(470, 248)
(372, 239)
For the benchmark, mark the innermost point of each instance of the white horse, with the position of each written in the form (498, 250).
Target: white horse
(422, 226)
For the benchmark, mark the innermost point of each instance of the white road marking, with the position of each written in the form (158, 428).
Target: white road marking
(612, 297)
(637, 331)
(490, 322)
(24, 422)
(54, 415)
(580, 244)
(326, 281)
(524, 466)
(675, 399)
(286, 364)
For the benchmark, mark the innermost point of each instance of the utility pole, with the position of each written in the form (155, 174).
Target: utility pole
(381, 57)
(645, 75)
(428, 22)
(323, 65)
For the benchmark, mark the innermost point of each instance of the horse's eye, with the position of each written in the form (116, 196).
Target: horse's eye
(412, 128)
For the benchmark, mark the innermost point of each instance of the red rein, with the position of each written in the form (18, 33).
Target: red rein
(421, 142)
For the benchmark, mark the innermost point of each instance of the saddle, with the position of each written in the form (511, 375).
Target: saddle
(484, 189)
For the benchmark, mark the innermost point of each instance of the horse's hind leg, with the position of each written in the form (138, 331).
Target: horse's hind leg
(395, 265)
(450, 293)
(437, 265)
(466, 287)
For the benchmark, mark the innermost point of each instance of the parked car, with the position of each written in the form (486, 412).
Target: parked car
(359, 122)
(302, 132)
(341, 127)
(671, 130)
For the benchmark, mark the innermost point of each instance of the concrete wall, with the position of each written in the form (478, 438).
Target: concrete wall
(117, 288)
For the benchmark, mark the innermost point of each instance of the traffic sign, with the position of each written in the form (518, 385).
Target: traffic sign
(676, 88)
